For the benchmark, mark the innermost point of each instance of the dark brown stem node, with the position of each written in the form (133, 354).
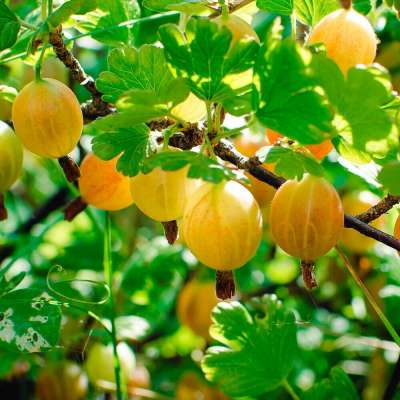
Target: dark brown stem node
(74, 208)
(170, 231)
(346, 4)
(70, 168)
(308, 272)
(225, 284)
(3, 210)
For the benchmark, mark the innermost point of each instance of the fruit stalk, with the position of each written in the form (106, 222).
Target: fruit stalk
(3, 210)
(170, 231)
(70, 168)
(108, 275)
(225, 284)
(346, 4)
(74, 208)
(308, 273)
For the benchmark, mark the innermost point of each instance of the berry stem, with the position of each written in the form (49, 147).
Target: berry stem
(369, 297)
(308, 272)
(290, 390)
(3, 210)
(108, 275)
(70, 168)
(38, 65)
(170, 231)
(225, 285)
(346, 4)
(74, 208)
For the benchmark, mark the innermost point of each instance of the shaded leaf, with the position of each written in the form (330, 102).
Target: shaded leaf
(9, 27)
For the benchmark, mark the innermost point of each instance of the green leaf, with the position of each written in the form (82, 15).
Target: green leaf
(337, 387)
(258, 353)
(309, 12)
(29, 322)
(142, 82)
(359, 103)
(131, 143)
(113, 13)
(9, 27)
(71, 7)
(6, 285)
(290, 163)
(191, 7)
(289, 100)
(362, 6)
(389, 177)
(200, 166)
(204, 56)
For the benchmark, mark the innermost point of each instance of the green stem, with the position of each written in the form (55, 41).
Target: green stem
(369, 297)
(290, 390)
(49, 7)
(209, 130)
(108, 275)
(38, 66)
(44, 10)
(293, 21)
(27, 24)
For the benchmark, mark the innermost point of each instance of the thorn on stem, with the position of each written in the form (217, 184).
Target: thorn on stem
(170, 231)
(74, 208)
(225, 285)
(70, 168)
(308, 272)
(3, 210)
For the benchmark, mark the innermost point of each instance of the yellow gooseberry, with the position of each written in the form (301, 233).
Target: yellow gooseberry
(102, 186)
(222, 225)
(397, 228)
(195, 303)
(191, 110)
(64, 381)
(162, 195)
(191, 387)
(47, 118)
(262, 192)
(348, 37)
(356, 203)
(319, 151)
(306, 217)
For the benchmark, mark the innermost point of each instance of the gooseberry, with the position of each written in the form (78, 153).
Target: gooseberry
(65, 381)
(48, 119)
(222, 225)
(397, 228)
(262, 192)
(102, 186)
(191, 110)
(348, 37)
(161, 195)
(319, 151)
(356, 203)
(11, 155)
(195, 303)
(100, 366)
(306, 220)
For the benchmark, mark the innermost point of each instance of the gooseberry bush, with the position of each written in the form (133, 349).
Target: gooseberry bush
(199, 199)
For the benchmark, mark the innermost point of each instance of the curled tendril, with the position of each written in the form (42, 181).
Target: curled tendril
(51, 284)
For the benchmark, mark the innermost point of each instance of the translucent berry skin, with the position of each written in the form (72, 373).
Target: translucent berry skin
(356, 203)
(47, 118)
(191, 110)
(319, 151)
(195, 303)
(262, 192)
(222, 225)
(161, 195)
(11, 155)
(240, 28)
(306, 217)
(348, 37)
(102, 186)
(397, 228)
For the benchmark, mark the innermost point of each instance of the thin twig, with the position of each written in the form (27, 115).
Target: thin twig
(385, 205)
